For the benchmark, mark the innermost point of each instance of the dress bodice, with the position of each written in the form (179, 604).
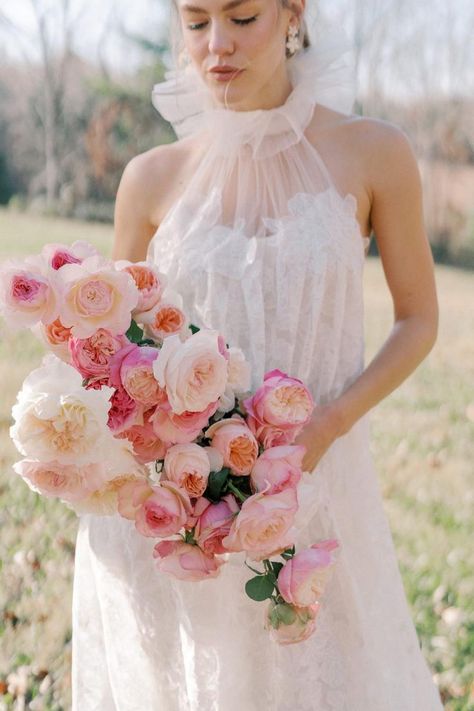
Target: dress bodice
(261, 245)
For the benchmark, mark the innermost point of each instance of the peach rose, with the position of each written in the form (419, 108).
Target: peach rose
(214, 524)
(189, 467)
(185, 561)
(278, 466)
(279, 410)
(147, 446)
(179, 429)
(289, 625)
(132, 368)
(92, 356)
(264, 525)
(303, 578)
(149, 282)
(56, 337)
(235, 441)
(164, 512)
(194, 373)
(64, 481)
(95, 295)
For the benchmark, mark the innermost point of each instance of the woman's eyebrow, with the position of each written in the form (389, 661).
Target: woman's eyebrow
(228, 6)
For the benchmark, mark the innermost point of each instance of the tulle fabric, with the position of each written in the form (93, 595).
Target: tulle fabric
(263, 247)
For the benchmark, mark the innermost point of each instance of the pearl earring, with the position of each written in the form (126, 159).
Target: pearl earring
(293, 43)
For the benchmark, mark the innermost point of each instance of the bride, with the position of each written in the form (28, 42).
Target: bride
(260, 215)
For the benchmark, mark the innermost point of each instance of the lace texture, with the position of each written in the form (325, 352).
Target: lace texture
(262, 247)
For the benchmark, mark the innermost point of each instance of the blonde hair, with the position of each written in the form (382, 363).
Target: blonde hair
(177, 40)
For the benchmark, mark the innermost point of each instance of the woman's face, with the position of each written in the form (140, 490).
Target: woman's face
(239, 48)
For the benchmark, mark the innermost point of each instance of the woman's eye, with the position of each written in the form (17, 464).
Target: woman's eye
(243, 21)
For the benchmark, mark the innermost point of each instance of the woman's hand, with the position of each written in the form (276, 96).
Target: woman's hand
(319, 433)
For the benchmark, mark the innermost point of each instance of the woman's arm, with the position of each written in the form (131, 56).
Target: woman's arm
(394, 182)
(397, 220)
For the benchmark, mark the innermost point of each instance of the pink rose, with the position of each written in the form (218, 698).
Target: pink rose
(124, 412)
(263, 526)
(148, 280)
(235, 441)
(163, 321)
(189, 467)
(95, 295)
(289, 625)
(92, 356)
(303, 578)
(147, 446)
(194, 373)
(27, 296)
(279, 410)
(278, 466)
(186, 561)
(179, 429)
(64, 481)
(57, 255)
(215, 523)
(164, 512)
(131, 496)
(132, 367)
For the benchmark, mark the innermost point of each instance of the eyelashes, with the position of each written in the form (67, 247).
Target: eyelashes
(243, 21)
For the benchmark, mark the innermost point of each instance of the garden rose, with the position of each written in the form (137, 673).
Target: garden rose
(124, 411)
(179, 429)
(164, 512)
(240, 373)
(27, 295)
(214, 524)
(64, 481)
(148, 280)
(264, 525)
(303, 578)
(278, 466)
(235, 441)
(56, 337)
(95, 295)
(132, 368)
(279, 409)
(189, 467)
(186, 561)
(147, 446)
(194, 373)
(57, 255)
(57, 419)
(289, 625)
(92, 356)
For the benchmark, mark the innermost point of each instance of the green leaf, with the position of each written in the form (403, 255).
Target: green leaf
(259, 588)
(286, 613)
(277, 567)
(194, 328)
(134, 333)
(216, 483)
(274, 619)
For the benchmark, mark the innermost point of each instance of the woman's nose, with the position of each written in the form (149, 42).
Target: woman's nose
(220, 41)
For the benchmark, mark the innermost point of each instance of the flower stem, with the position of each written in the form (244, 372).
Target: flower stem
(236, 491)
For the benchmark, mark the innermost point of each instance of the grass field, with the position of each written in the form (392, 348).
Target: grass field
(422, 442)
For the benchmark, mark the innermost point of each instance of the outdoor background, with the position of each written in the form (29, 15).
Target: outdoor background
(75, 84)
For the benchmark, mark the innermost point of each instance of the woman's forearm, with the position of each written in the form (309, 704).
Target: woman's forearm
(408, 344)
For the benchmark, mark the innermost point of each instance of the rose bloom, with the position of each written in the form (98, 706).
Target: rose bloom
(57, 255)
(186, 561)
(124, 411)
(163, 321)
(189, 467)
(214, 523)
(27, 295)
(132, 368)
(279, 409)
(149, 282)
(91, 356)
(278, 466)
(239, 371)
(179, 429)
(301, 628)
(63, 481)
(95, 295)
(235, 441)
(57, 419)
(56, 337)
(303, 578)
(264, 525)
(194, 373)
(163, 510)
(147, 446)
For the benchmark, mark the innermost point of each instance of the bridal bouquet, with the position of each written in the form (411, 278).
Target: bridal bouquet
(136, 412)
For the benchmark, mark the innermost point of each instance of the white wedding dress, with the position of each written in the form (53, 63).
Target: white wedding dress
(264, 248)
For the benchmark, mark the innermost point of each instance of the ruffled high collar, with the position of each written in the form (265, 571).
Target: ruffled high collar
(321, 74)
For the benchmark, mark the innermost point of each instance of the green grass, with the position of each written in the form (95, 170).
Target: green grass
(422, 442)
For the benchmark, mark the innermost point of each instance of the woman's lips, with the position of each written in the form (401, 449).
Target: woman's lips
(225, 74)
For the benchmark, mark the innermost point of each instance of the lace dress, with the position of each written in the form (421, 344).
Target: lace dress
(264, 248)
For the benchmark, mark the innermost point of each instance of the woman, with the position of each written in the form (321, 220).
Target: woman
(257, 215)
